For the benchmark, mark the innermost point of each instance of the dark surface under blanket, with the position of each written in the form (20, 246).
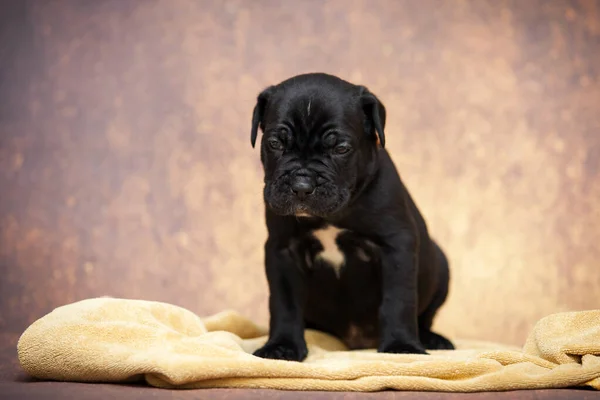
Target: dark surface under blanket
(15, 384)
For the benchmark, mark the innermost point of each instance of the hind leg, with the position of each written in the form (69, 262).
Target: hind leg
(432, 340)
(435, 341)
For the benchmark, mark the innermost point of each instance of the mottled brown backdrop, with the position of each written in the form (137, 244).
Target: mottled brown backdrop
(126, 167)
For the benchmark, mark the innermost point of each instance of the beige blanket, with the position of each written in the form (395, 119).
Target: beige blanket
(117, 340)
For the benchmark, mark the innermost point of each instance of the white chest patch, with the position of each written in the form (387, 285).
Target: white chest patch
(331, 252)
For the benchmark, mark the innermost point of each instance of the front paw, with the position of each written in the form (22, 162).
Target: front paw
(283, 351)
(401, 347)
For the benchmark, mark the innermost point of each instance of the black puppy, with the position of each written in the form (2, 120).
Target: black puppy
(348, 252)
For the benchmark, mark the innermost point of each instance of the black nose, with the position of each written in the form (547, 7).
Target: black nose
(302, 188)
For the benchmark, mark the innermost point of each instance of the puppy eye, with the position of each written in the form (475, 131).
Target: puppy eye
(275, 144)
(341, 149)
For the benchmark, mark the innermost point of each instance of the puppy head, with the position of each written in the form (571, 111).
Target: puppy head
(320, 140)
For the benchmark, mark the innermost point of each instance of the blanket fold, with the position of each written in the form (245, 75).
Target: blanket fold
(119, 340)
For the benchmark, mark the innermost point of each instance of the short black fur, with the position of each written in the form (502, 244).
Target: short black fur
(325, 165)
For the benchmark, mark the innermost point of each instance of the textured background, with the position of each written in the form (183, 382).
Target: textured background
(126, 168)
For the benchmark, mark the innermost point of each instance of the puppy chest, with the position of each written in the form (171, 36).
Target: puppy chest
(339, 247)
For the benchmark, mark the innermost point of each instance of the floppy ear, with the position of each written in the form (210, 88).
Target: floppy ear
(374, 115)
(259, 112)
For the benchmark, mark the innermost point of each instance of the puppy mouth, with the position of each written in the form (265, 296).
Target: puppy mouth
(302, 210)
(324, 203)
(297, 208)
